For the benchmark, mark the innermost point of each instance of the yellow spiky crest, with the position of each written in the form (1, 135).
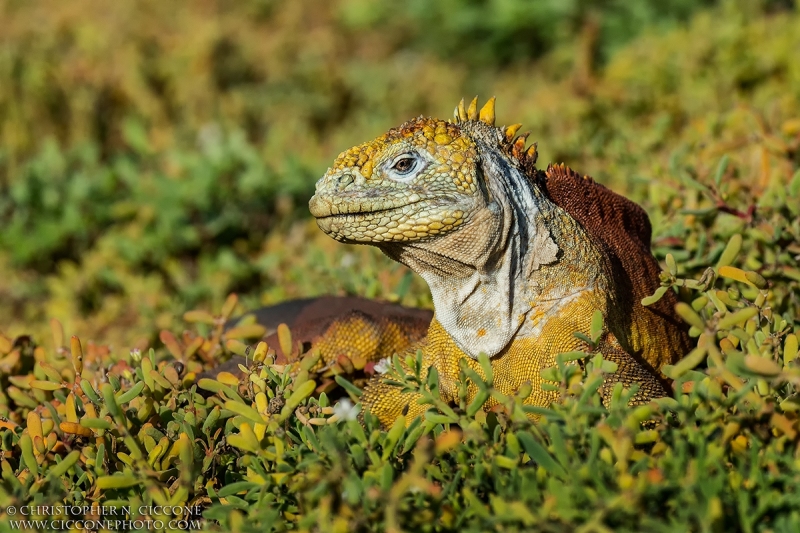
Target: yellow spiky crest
(514, 145)
(461, 113)
(511, 131)
(486, 113)
(472, 112)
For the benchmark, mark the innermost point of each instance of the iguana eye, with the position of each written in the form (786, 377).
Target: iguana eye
(405, 167)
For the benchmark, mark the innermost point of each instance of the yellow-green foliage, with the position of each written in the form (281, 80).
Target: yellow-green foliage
(147, 197)
(155, 157)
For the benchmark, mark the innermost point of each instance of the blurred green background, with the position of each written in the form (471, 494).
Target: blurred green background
(156, 156)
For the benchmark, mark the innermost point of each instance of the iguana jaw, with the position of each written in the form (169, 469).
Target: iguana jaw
(361, 217)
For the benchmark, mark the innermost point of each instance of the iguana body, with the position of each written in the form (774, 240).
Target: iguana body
(362, 330)
(517, 259)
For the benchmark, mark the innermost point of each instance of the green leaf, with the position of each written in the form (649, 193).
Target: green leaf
(597, 326)
(117, 481)
(540, 455)
(790, 348)
(731, 250)
(297, 397)
(722, 166)
(739, 317)
(437, 418)
(689, 315)
(351, 389)
(393, 436)
(90, 393)
(672, 267)
(656, 296)
(111, 402)
(245, 411)
(46, 385)
(477, 403)
(28, 458)
(693, 359)
(237, 487)
(95, 423)
(131, 393)
(65, 464)
(486, 366)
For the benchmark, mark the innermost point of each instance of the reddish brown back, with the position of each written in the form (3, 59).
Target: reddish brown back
(623, 228)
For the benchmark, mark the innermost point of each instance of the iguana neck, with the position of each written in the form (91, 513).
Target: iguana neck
(518, 253)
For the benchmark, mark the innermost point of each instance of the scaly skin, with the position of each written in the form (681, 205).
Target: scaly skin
(517, 260)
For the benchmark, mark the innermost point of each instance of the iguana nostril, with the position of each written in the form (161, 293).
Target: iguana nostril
(344, 181)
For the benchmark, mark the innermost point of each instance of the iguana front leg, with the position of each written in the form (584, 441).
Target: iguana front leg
(387, 401)
(630, 370)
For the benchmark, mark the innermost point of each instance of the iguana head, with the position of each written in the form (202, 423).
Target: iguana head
(453, 200)
(418, 181)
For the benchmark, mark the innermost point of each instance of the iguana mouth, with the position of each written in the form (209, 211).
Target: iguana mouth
(319, 214)
(426, 206)
(411, 221)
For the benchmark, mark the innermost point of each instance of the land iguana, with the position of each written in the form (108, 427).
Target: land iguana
(517, 259)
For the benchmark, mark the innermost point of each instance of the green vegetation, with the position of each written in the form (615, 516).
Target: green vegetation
(156, 157)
